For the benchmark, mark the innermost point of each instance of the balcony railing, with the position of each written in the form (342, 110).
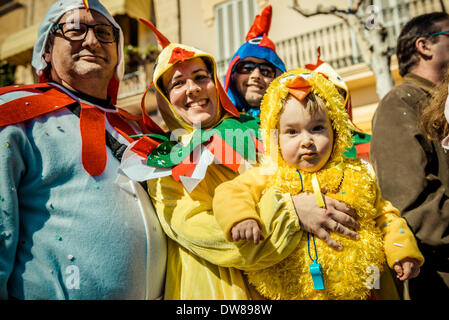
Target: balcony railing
(133, 83)
(337, 42)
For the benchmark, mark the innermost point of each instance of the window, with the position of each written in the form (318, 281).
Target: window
(393, 14)
(3, 2)
(233, 19)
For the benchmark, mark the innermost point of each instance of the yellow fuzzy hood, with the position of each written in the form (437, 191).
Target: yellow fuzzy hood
(271, 108)
(171, 54)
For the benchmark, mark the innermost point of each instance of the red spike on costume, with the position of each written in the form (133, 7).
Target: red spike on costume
(42, 78)
(147, 121)
(163, 41)
(318, 61)
(226, 103)
(267, 43)
(179, 54)
(261, 24)
(113, 90)
(93, 147)
(228, 73)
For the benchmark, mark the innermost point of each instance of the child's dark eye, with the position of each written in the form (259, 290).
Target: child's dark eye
(291, 131)
(318, 128)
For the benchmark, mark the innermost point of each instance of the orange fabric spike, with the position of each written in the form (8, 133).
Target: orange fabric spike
(146, 123)
(261, 24)
(163, 41)
(92, 127)
(318, 61)
(267, 43)
(299, 88)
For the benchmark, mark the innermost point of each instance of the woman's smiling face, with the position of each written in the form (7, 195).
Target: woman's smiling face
(192, 92)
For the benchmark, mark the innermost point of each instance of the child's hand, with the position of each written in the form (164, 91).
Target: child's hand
(407, 268)
(247, 230)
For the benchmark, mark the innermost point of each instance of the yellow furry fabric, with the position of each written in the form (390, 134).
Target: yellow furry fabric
(348, 180)
(345, 272)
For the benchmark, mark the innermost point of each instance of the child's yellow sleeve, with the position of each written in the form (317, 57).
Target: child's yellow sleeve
(188, 219)
(237, 199)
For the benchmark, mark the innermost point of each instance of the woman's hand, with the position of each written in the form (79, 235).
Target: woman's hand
(337, 217)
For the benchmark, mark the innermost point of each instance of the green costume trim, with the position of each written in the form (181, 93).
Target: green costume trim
(236, 132)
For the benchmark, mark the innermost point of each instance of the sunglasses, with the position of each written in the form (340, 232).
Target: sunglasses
(247, 67)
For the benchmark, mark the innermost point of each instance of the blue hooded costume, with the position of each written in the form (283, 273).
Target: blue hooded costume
(257, 45)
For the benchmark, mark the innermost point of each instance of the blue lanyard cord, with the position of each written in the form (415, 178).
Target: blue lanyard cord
(308, 234)
(308, 248)
(300, 179)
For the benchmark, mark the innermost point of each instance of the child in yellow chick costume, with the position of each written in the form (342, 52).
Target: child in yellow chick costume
(346, 273)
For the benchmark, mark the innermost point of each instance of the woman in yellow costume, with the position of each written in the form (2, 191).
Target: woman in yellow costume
(307, 130)
(183, 174)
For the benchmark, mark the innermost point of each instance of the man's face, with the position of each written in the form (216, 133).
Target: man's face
(252, 84)
(89, 59)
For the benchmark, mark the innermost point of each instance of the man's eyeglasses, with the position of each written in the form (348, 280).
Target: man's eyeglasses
(77, 31)
(247, 67)
(438, 33)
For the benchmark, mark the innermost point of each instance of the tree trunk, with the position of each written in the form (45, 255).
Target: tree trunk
(381, 69)
(375, 52)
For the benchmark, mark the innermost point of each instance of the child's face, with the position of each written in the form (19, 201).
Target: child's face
(305, 141)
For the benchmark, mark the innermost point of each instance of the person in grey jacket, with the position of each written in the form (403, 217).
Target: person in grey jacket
(70, 226)
(413, 171)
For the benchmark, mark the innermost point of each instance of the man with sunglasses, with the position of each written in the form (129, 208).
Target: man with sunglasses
(70, 226)
(413, 171)
(253, 67)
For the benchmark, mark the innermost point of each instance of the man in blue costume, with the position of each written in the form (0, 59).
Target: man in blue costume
(253, 67)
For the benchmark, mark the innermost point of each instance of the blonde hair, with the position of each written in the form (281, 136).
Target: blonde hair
(432, 120)
(313, 104)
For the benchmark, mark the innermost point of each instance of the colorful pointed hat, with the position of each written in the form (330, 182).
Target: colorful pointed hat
(257, 45)
(171, 54)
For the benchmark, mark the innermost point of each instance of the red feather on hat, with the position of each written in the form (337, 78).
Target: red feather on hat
(261, 24)
(318, 61)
